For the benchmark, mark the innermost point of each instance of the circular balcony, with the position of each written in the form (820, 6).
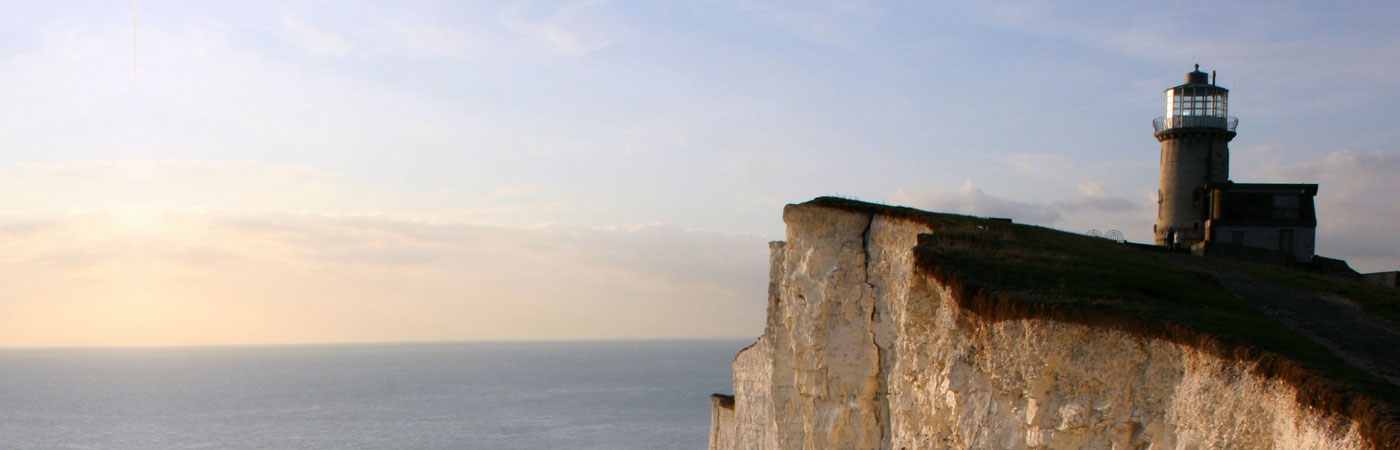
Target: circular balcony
(1161, 124)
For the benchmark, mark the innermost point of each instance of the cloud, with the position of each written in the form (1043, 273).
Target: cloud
(827, 22)
(193, 92)
(1093, 208)
(315, 40)
(377, 36)
(1257, 50)
(1356, 205)
(573, 29)
(428, 40)
(1106, 204)
(173, 276)
(164, 183)
(971, 200)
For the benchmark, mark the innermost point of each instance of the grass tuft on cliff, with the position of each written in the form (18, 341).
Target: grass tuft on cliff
(1012, 271)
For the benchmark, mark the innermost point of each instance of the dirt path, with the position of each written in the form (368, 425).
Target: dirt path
(1334, 322)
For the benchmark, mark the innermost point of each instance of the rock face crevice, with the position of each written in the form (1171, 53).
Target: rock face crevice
(863, 350)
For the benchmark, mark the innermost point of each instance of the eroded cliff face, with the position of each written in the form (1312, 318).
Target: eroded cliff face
(863, 351)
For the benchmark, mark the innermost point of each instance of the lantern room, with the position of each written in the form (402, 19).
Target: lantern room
(1197, 104)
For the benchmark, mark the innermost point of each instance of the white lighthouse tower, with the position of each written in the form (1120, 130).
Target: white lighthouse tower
(1195, 134)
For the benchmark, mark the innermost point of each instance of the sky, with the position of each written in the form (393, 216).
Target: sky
(229, 173)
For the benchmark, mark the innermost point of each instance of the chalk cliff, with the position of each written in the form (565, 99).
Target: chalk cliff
(867, 348)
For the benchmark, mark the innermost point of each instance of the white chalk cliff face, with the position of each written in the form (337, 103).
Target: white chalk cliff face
(863, 351)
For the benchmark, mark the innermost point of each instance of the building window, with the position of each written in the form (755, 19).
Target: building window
(1285, 206)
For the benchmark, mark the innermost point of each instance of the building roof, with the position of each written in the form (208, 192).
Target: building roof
(1301, 188)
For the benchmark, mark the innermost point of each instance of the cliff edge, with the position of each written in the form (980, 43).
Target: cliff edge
(893, 328)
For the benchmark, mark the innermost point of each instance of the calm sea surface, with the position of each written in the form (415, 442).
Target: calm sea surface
(558, 395)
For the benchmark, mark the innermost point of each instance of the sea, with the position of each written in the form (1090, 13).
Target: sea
(459, 395)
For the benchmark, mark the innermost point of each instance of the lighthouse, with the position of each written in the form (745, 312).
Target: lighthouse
(1195, 134)
(1198, 207)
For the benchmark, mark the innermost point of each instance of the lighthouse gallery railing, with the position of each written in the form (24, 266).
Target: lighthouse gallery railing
(1168, 123)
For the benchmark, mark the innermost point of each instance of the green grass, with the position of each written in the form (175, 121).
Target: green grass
(1094, 277)
(1378, 300)
(1079, 272)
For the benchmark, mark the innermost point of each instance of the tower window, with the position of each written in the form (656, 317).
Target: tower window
(1192, 101)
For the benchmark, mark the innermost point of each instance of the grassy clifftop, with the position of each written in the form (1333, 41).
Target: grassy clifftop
(1012, 271)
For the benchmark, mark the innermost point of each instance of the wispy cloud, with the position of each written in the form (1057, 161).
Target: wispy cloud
(1093, 208)
(1094, 196)
(213, 184)
(378, 36)
(271, 164)
(315, 40)
(420, 39)
(968, 199)
(574, 29)
(1356, 205)
(1293, 40)
(828, 22)
(211, 277)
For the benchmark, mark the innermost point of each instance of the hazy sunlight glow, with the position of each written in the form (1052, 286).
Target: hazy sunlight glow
(306, 172)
